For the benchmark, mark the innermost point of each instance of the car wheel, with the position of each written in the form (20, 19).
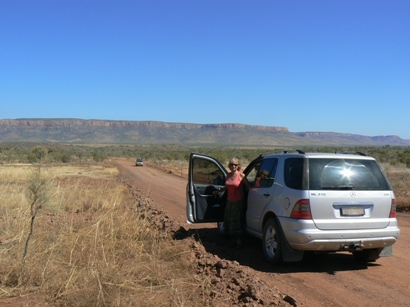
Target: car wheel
(221, 228)
(271, 242)
(368, 255)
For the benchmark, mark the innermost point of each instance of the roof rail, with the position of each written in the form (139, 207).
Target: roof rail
(354, 153)
(297, 150)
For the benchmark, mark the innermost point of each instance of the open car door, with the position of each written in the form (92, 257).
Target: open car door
(205, 175)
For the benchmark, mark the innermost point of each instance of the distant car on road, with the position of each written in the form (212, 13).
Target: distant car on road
(139, 162)
(301, 202)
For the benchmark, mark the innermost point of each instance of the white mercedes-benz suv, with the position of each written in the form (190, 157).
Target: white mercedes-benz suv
(302, 202)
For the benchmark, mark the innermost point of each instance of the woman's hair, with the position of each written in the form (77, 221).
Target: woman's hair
(235, 161)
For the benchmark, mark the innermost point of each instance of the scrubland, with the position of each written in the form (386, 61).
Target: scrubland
(71, 236)
(399, 177)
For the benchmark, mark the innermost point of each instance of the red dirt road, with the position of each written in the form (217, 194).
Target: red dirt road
(318, 280)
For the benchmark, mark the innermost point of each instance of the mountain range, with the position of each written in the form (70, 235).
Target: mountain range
(80, 131)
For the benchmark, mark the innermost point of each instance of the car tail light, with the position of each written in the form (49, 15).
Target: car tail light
(301, 210)
(393, 208)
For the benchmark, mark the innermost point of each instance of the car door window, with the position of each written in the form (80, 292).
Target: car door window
(265, 175)
(206, 173)
(253, 171)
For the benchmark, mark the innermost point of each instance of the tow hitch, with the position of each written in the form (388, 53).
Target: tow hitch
(353, 247)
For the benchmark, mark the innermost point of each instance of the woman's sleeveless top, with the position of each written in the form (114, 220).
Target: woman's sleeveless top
(235, 188)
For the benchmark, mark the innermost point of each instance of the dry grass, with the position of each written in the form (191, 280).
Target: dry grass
(90, 247)
(399, 177)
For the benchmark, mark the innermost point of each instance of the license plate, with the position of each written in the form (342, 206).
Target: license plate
(352, 211)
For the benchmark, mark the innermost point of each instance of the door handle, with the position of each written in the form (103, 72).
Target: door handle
(266, 194)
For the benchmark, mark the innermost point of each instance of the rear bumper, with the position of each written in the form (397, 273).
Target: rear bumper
(302, 235)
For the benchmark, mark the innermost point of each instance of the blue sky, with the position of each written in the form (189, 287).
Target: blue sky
(333, 66)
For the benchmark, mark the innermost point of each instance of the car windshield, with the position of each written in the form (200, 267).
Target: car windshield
(346, 174)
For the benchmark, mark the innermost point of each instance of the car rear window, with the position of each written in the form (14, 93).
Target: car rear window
(346, 174)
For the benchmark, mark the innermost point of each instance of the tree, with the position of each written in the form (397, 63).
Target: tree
(38, 192)
(39, 153)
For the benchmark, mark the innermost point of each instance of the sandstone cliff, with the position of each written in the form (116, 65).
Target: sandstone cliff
(153, 132)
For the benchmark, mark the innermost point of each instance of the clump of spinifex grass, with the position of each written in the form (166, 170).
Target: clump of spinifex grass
(89, 246)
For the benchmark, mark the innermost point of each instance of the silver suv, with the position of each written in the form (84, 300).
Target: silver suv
(302, 202)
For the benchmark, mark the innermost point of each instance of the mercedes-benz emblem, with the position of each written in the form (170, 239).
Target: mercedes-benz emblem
(353, 194)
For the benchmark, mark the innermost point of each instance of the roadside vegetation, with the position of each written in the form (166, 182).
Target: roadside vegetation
(74, 235)
(395, 160)
(60, 153)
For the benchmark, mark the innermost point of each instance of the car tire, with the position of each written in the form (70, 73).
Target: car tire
(271, 242)
(367, 255)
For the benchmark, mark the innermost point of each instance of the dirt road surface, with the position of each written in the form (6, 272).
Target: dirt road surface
(319, 280)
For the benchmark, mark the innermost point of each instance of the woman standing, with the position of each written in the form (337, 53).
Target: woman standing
(234, 208)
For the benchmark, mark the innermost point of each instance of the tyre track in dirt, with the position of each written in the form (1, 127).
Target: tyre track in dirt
(318, 280)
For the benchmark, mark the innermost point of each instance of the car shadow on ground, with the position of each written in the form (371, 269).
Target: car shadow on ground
(250, 254)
